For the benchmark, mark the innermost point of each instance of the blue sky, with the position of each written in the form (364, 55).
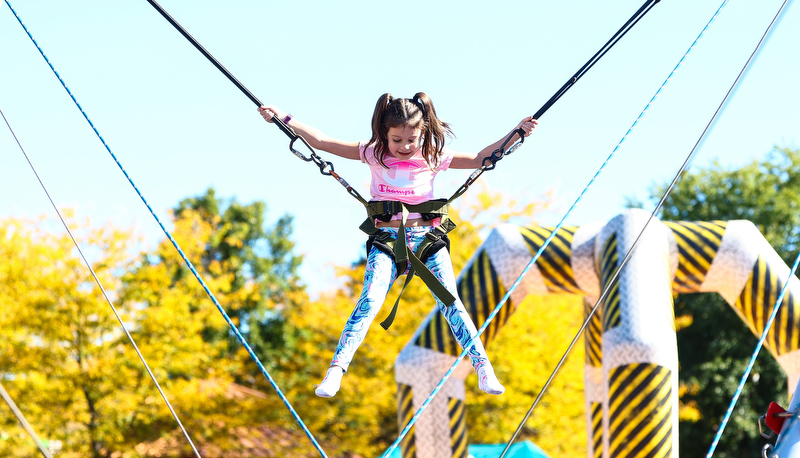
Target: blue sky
(179, 126)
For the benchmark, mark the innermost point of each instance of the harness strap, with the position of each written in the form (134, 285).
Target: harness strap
(430, 210)
(383, 210)
(419, 268)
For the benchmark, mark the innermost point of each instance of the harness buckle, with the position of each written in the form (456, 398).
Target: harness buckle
(390, 207)
(435, 234)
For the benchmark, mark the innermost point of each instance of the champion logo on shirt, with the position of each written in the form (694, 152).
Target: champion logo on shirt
(400, 192)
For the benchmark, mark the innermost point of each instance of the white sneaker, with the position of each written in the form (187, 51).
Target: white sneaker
(488, 382)
(330, 384)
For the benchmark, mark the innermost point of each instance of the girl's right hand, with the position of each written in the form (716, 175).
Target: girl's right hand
(270, 111)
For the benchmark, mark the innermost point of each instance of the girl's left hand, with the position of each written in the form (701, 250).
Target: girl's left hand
(527, 125)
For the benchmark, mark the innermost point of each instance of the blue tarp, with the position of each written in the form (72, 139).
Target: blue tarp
(524, 449)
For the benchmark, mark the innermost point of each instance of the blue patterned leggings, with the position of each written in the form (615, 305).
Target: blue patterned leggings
(381, 272)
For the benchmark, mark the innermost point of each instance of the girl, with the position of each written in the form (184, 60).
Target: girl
(405, 153)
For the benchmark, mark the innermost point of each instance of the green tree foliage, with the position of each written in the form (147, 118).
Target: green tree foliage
(251, 270)
(258, 259)
(714, 345)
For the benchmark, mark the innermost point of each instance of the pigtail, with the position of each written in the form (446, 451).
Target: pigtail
(435, 130)
(380, 131)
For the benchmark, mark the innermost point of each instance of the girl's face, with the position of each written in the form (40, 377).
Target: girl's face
(404, 141)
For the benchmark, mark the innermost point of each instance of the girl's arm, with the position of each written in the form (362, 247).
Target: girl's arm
(313, 136)
(473, 161)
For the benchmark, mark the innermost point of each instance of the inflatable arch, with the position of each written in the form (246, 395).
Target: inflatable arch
(631, 381)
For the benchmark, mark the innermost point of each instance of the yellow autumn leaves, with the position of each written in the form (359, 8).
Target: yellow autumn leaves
(70, 367)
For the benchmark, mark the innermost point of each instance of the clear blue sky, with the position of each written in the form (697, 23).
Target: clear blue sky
(178, 126)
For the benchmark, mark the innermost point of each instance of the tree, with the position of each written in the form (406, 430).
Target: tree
(251, 270)
(714, 345)
(259, 260)
(60, 350)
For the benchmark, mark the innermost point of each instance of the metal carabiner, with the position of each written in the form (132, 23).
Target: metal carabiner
(322, 164)
(489, 162)
(516, 144)
(298, 153)
(514, 147)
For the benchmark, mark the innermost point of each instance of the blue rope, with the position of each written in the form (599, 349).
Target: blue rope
(102, 289)
(178, 248)
(757, 350)
(546, 242)
(778, 302)
(752, 362)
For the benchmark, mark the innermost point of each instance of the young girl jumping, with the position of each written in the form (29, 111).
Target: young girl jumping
(405, 153)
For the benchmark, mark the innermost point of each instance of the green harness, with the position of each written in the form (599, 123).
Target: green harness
(434, 241)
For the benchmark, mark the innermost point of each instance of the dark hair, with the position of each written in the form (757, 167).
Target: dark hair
(418, 113)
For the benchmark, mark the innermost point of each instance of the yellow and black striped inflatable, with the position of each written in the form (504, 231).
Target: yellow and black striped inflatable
(631, 353)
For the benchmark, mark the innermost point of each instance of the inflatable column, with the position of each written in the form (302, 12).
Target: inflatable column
(639, 350)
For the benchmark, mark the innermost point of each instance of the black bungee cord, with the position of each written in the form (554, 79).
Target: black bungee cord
(644, 9)
(322, 164)
(489, 162)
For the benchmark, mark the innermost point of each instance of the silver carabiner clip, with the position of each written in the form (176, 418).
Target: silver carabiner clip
(514, 147)
(298, 153)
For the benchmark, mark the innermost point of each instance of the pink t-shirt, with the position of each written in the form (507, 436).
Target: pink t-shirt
(406, 180)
